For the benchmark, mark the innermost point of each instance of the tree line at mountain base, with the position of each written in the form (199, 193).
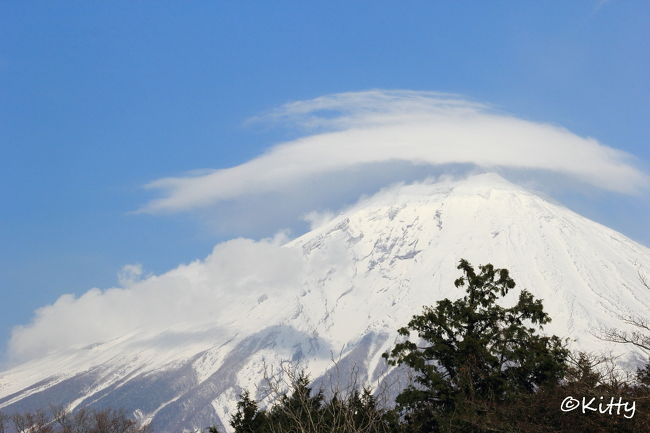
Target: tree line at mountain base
(61, 420)
(478, 367)
(304, 411)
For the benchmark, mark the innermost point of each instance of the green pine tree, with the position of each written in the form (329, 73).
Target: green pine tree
(248, 418)
(473, 353)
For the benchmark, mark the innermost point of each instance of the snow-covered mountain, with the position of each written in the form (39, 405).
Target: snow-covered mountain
(363, 275)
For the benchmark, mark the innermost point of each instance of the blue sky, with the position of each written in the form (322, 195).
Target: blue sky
(98, 99)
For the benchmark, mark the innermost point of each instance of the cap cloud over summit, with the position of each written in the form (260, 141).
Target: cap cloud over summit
(349, 132)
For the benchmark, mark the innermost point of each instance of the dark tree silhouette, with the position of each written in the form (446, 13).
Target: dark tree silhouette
(472, 353)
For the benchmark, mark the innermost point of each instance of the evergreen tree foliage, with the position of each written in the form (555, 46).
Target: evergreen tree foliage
(248, 418)
(473, 353)
(305, 411)
(643, 375)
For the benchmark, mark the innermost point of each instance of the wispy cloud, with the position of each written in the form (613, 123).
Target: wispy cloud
(348, 131)
(600, 4)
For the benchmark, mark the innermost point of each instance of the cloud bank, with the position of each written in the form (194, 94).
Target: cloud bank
(348, 131)
(236, 271)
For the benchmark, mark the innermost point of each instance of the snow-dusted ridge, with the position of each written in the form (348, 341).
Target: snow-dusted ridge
(361, 276)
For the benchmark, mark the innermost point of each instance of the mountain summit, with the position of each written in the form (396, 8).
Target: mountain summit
(358, 278)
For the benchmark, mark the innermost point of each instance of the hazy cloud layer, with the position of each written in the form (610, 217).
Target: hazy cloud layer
(237, 270)
(348, 131)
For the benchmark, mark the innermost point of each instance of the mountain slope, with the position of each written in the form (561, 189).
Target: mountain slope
(362, 275)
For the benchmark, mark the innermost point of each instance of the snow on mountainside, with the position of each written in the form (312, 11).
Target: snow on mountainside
(362, 276)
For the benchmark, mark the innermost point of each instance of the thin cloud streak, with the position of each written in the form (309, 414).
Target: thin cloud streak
(352, 130)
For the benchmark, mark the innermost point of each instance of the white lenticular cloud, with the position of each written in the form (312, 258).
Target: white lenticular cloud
(352, 130)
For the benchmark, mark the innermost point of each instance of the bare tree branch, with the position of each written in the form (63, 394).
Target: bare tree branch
(640, 337)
